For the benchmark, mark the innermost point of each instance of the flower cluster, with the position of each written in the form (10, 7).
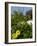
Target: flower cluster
(15, 35)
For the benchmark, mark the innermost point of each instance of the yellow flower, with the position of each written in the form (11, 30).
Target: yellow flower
(14, 35)
(17, 32)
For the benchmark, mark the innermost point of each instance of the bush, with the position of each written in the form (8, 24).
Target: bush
(19, 22)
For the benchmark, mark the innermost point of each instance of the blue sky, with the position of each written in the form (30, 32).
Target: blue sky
(20, 9)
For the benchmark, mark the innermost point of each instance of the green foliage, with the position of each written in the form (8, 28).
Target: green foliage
(19, 22)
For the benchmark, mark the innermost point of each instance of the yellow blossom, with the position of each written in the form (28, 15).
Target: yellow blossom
(14, 35)
(18, 32)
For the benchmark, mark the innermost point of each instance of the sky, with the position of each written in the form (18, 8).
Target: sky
(20, 9)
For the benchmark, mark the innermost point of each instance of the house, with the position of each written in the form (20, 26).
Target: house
(29, 12)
